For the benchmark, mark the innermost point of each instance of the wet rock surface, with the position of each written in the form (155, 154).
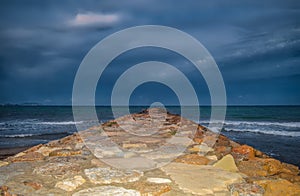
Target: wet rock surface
(149, 153)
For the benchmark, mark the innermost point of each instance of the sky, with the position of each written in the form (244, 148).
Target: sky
(256, 45)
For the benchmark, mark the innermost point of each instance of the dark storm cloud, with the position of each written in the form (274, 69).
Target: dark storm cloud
(256, 44)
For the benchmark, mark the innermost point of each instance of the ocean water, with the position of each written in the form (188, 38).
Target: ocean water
(274, 130)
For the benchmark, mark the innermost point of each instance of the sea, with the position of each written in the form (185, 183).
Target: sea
(275, 130)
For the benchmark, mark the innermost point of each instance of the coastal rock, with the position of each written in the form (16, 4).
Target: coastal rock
(227, 163)
(150, 189)
(107, 191)
(70, 184)
(64, 153)
(246, 189)
(107, 175)
(260, 167)
(212, 157)
(30, 156)
(243, 152)
(159, 180)
(45, 150)
(57, 169)
(34, 185)
(203, 149)
(279, 187)
(4, 191)
(222, 141)
(221, 151)
(209, 180)
(3, 163)
(192, 159)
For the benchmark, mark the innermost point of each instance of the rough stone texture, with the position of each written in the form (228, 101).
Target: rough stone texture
(109, 175)
(46, 150)
(70, 184)
(279, 187)
(260, 167)
(64, 152)
(243, 152)
(209, 179)
(246, 189)
(192, 159)
(31, 156)
(107, 191)
(227, 163)
(150, 189)
(57, 169)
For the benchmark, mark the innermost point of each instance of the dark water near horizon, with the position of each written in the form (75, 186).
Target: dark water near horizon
(274, 130)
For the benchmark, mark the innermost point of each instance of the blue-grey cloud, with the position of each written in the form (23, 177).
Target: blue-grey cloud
(255, 43)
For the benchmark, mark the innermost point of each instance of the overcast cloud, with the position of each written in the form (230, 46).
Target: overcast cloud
(255, 43)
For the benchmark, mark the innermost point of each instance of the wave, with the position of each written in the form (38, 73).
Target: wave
(268, 132)
(33, 135)
(258, 123)
(60, 123)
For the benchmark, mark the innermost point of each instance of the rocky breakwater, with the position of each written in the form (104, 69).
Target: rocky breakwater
(149, 153)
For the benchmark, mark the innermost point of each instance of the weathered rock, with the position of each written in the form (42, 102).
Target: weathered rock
(46, 150)
(70, 184)
(107, 191)
(203, 149)
(243, 152)
(279, 187)
(289, 177)
(227, 163)
(246, 189)
(64, 153)
(30, 156)
(159, 180)
(34, 185)
(290, 169)
(107, 175)
(222, 141)
(4, 191)
(3, 163)
(150, 189)
(201, 179)
(57, 169)
(192, 159)
(260, 167)
(212, 157)
(221, 151)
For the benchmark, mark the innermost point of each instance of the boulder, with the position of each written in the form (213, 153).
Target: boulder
(246, 189)
(201, 179)
(243, 152)
(279, 187)
(227, 163)
(260, 167)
